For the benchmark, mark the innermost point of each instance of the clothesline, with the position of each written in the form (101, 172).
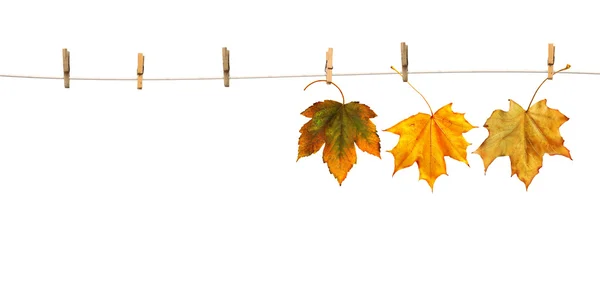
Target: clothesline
(296, 75)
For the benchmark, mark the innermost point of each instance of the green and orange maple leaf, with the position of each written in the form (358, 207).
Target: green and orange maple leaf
(338, 126)
(426, 139)
(525, 136)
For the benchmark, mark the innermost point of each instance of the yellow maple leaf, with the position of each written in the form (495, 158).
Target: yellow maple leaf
(426, 139)
(525, 136)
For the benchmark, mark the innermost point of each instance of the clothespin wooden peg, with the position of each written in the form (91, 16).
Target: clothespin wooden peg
(66, 66)
(225, 66)
(404, 56)
(140, 70)
(550, 60)
(329, 66)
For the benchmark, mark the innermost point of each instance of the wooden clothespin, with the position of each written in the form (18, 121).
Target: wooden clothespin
(550, 60)
(66, 66)
(404, 56)
(140, 70)
(329, 65)
(225, 66)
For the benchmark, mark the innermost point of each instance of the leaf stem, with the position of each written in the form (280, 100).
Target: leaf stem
(322, 80)
(430, 110)
(536, 91)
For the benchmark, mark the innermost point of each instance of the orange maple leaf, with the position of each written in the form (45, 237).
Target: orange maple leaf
(339, 126)
(525, 136)
(426, 139)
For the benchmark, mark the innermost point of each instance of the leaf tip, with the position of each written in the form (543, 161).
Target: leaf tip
(339, 180)
(430, 182)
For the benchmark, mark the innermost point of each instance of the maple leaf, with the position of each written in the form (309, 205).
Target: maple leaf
(525, 136)
(339, 126)
(426, 139)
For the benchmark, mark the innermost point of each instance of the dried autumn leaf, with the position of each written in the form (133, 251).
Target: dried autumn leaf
(426, 139)
(338, 126)
(524, 136)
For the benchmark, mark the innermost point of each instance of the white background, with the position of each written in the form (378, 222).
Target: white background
(192, 181)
